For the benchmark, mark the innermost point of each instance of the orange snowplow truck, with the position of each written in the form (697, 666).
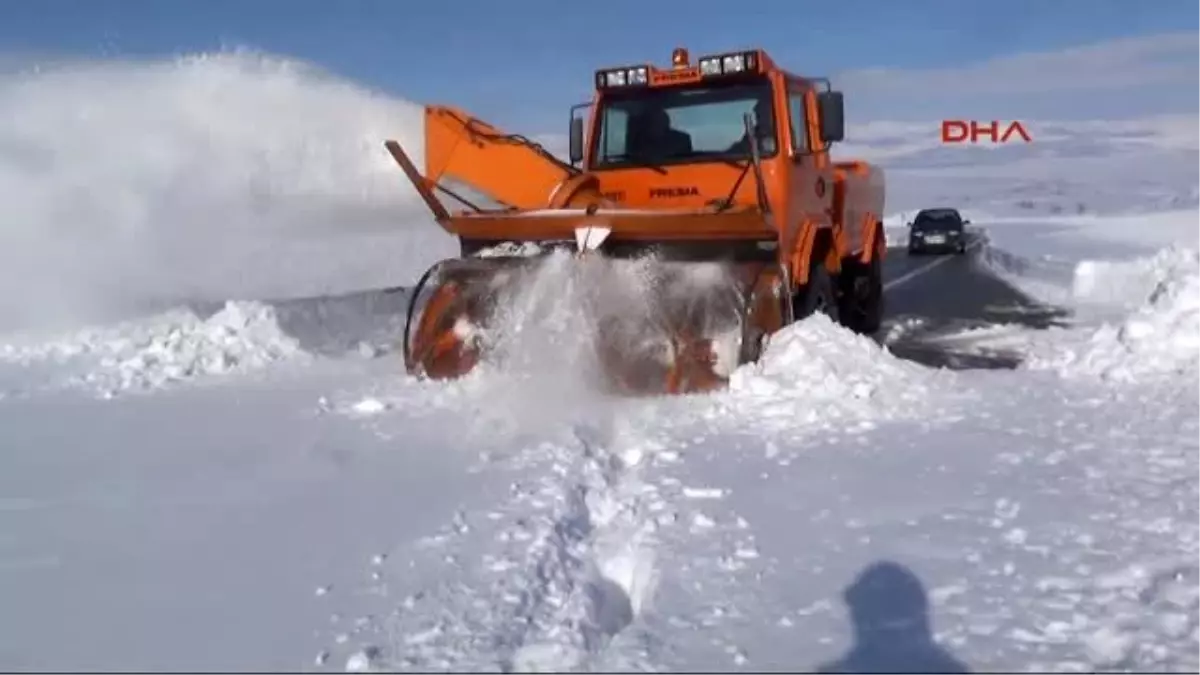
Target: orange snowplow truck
(723, 162)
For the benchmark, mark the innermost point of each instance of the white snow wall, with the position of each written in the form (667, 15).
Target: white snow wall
(127, 184)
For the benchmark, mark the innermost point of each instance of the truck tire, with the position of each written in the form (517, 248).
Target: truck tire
(862, 296)
(817, 296)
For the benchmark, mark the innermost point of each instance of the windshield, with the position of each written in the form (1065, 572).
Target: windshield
(938, 221)
(679, 125)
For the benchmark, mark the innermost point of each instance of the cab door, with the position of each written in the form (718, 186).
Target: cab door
(810, 189)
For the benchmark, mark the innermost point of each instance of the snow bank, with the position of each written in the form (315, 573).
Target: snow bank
(229, 175)
(1075, 261)
(1129, 284)
(816, 374)
(1160, 331)
(173, 347)
(1047, 277)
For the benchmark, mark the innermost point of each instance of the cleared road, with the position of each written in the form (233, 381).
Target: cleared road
(950, 293)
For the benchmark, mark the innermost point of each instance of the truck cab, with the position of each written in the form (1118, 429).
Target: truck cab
(688, 126)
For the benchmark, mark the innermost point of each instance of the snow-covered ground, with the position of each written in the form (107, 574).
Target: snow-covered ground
(245, 485)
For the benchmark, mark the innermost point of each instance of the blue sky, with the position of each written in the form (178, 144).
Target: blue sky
(521, 63)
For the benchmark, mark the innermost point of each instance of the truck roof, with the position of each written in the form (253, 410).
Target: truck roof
(715, 67)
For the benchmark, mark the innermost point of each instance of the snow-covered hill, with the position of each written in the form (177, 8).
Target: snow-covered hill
(1080, 168)
(248, 485)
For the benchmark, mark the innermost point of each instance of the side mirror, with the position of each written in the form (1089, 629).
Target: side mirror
(966, 222)
(833, 123)
(576, 149)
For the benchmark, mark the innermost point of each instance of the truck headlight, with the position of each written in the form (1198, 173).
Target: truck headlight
(623, 77)
(729, 64)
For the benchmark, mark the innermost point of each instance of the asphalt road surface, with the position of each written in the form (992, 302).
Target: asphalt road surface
(947, 294)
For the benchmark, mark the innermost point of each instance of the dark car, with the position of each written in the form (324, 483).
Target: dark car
(937, 231)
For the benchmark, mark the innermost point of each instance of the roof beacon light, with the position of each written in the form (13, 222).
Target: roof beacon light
(679, 57)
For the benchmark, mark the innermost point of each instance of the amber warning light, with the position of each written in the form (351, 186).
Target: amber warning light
(679, 57)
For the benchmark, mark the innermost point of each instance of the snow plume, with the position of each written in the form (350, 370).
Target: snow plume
(1158, 330)
(553, 315)
(229, 175)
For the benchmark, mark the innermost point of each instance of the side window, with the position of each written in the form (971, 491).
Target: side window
(612, 133)
(797, 116)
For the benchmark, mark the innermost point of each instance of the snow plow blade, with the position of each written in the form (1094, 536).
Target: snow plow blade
(682, 336)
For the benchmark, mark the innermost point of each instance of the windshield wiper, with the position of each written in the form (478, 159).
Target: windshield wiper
(752, 162)
(727, 202)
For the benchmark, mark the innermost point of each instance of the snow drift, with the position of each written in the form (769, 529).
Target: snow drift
(171, 347)
(823, 374)
(130, 184)
(1158, 328)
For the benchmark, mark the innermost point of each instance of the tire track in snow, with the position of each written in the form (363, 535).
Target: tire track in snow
(570, 566)
(592, 566)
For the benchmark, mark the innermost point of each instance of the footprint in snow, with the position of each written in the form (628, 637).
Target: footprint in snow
(363, 660)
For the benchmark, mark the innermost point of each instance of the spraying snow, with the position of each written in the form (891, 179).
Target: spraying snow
(231, 175)
(580, 319)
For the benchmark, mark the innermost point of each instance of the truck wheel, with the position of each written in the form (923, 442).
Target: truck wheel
(863, 297)
(817, 296)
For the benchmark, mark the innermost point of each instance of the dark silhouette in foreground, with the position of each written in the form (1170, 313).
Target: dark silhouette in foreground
(890, 611)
